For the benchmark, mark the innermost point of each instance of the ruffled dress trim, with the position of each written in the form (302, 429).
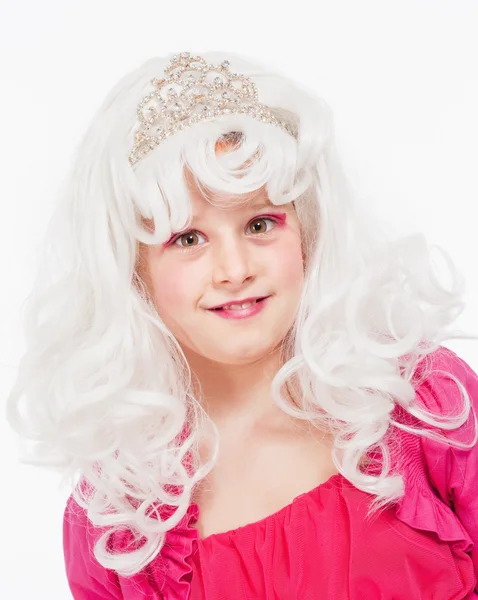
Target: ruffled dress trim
(428, 513)
(177, 549)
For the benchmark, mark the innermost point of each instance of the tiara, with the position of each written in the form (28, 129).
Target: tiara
(193, 91)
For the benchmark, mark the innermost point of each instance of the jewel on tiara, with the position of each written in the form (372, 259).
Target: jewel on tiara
(192, 91)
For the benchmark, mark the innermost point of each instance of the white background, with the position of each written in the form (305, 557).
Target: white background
(401, 77)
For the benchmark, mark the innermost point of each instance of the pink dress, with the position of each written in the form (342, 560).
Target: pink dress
(322, 545)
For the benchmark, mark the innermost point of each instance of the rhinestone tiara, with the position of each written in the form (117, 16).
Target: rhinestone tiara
(190, 92)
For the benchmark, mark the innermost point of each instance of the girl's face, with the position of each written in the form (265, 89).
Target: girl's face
(227, 255)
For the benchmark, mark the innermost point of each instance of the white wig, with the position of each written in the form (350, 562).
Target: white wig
(107, 392)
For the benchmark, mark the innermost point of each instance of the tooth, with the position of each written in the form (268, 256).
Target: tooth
(239, 306)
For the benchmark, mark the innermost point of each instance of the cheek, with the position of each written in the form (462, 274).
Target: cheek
(177, 289)
(288, 262)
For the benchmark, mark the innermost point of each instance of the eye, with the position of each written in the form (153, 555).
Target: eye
(258, 220)
(192, 235)
(189, 235)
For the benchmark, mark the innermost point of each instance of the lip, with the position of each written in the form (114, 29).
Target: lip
(242, 313)
(243, 301)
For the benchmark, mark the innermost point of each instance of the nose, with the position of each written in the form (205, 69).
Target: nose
(233, 261)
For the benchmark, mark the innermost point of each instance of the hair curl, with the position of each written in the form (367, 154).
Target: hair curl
(107, 389)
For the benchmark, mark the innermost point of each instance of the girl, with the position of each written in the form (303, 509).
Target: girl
(239, 372)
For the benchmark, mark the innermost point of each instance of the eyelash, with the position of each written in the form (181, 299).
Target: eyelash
(277, 220)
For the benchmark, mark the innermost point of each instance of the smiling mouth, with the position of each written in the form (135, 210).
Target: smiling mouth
(240, 306)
